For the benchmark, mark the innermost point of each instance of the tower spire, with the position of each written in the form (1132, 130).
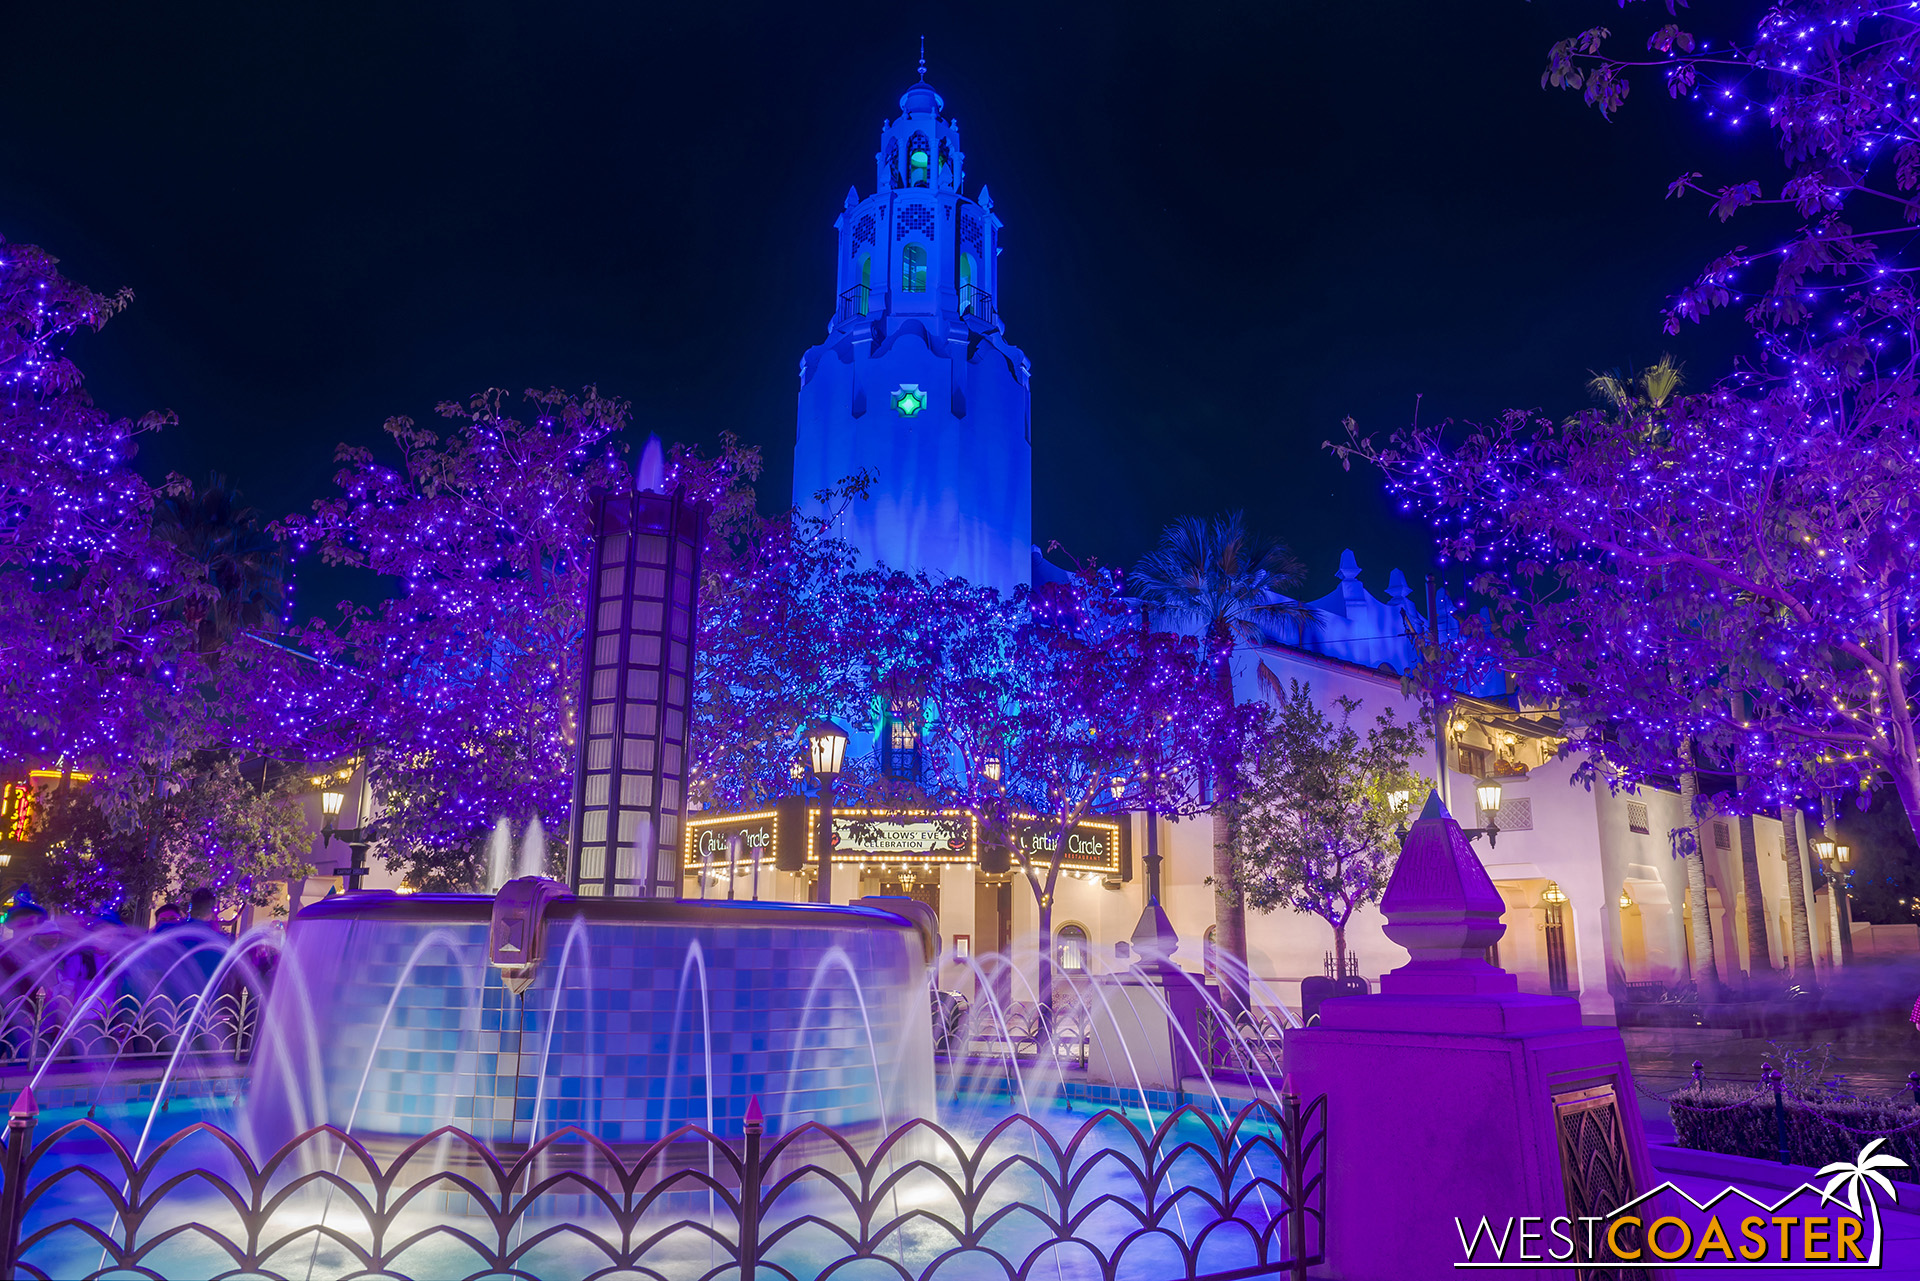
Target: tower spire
(923, 59)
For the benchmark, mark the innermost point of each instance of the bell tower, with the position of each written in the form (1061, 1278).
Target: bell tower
(916, 381)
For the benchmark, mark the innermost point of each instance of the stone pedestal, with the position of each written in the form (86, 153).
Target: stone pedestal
(1136, 1033)
(1446, 1091)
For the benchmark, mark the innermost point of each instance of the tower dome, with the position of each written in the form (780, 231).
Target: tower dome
(920, 99)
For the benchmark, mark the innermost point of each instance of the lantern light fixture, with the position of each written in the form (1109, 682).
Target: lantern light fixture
(1553, 894)
(1489, 794)
(827, 744)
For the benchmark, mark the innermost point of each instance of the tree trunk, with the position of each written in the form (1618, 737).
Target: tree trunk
(1339, 952)
(1705, 973)
(1043, 989)
(1802, 941)
(1759, 956)
(1230, 901)
(1837, 882)
(1229, 905)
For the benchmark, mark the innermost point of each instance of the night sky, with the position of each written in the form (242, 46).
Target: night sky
(1227, 226)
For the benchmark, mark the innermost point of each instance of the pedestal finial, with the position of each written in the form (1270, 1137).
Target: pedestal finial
(1442, 907)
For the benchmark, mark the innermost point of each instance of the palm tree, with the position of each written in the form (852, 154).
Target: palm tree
(1227, 584)
(1649, 389)
(245, 565)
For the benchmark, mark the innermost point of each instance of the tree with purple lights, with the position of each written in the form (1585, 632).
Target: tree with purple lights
(1736, 567)
(85, 588)
(781, 628)
(1097, 696)
(1318, 834)
(461, 687)
(127, 654)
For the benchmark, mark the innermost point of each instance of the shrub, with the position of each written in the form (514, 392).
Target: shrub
(1740, 1122)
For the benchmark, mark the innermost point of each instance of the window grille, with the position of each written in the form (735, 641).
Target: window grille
(1637, 820)
(1516, 814)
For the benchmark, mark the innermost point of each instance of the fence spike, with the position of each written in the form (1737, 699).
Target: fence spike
(23, 1104)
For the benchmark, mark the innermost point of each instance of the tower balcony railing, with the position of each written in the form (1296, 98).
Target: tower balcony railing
(859, 301)
(975, 301)
(854, 303)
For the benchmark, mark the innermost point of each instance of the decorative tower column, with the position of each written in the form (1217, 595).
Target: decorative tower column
(629, 794)
(1466, 1096)
(916, 382)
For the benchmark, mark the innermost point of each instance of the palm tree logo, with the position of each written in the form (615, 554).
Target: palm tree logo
(1856, 1174)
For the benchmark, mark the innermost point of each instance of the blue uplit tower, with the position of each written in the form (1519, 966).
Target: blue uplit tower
(916, 382)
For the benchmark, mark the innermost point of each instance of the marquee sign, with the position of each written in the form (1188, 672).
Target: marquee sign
(953, 836)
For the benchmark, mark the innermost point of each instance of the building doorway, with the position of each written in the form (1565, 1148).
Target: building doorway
(993, 933)
(1556, 944)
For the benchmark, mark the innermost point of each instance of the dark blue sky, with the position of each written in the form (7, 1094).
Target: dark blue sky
(1227, 225)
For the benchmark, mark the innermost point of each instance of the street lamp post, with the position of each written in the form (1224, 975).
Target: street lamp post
(827, 745)
(1153, 935)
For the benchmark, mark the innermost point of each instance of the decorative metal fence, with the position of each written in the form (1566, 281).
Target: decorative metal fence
(85, 1031)
(1249, 1046)
(1194, 1199)
(1023, 1030)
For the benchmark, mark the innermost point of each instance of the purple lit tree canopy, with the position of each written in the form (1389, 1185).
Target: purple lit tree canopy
(84, 587)
(1100, 700)
(460, 689)
(1736, 568)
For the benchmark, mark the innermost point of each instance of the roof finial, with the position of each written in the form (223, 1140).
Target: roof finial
(923, 59)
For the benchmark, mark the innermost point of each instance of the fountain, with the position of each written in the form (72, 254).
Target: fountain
(608, 1003)
(514, 1015)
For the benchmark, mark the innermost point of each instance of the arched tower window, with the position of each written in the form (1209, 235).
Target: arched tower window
(866, 283)
(913, 269)
(919, 160)
(969, 291)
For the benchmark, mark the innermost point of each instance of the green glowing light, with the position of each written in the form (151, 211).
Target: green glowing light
(909, 401)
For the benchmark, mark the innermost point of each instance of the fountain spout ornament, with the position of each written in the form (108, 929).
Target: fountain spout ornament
(1441, 906)
(518, 932)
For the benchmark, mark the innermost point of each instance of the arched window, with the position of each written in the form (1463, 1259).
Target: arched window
(913, 269)
(1070, 949)
(969, 294)
(919, 160)
(866, 282)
